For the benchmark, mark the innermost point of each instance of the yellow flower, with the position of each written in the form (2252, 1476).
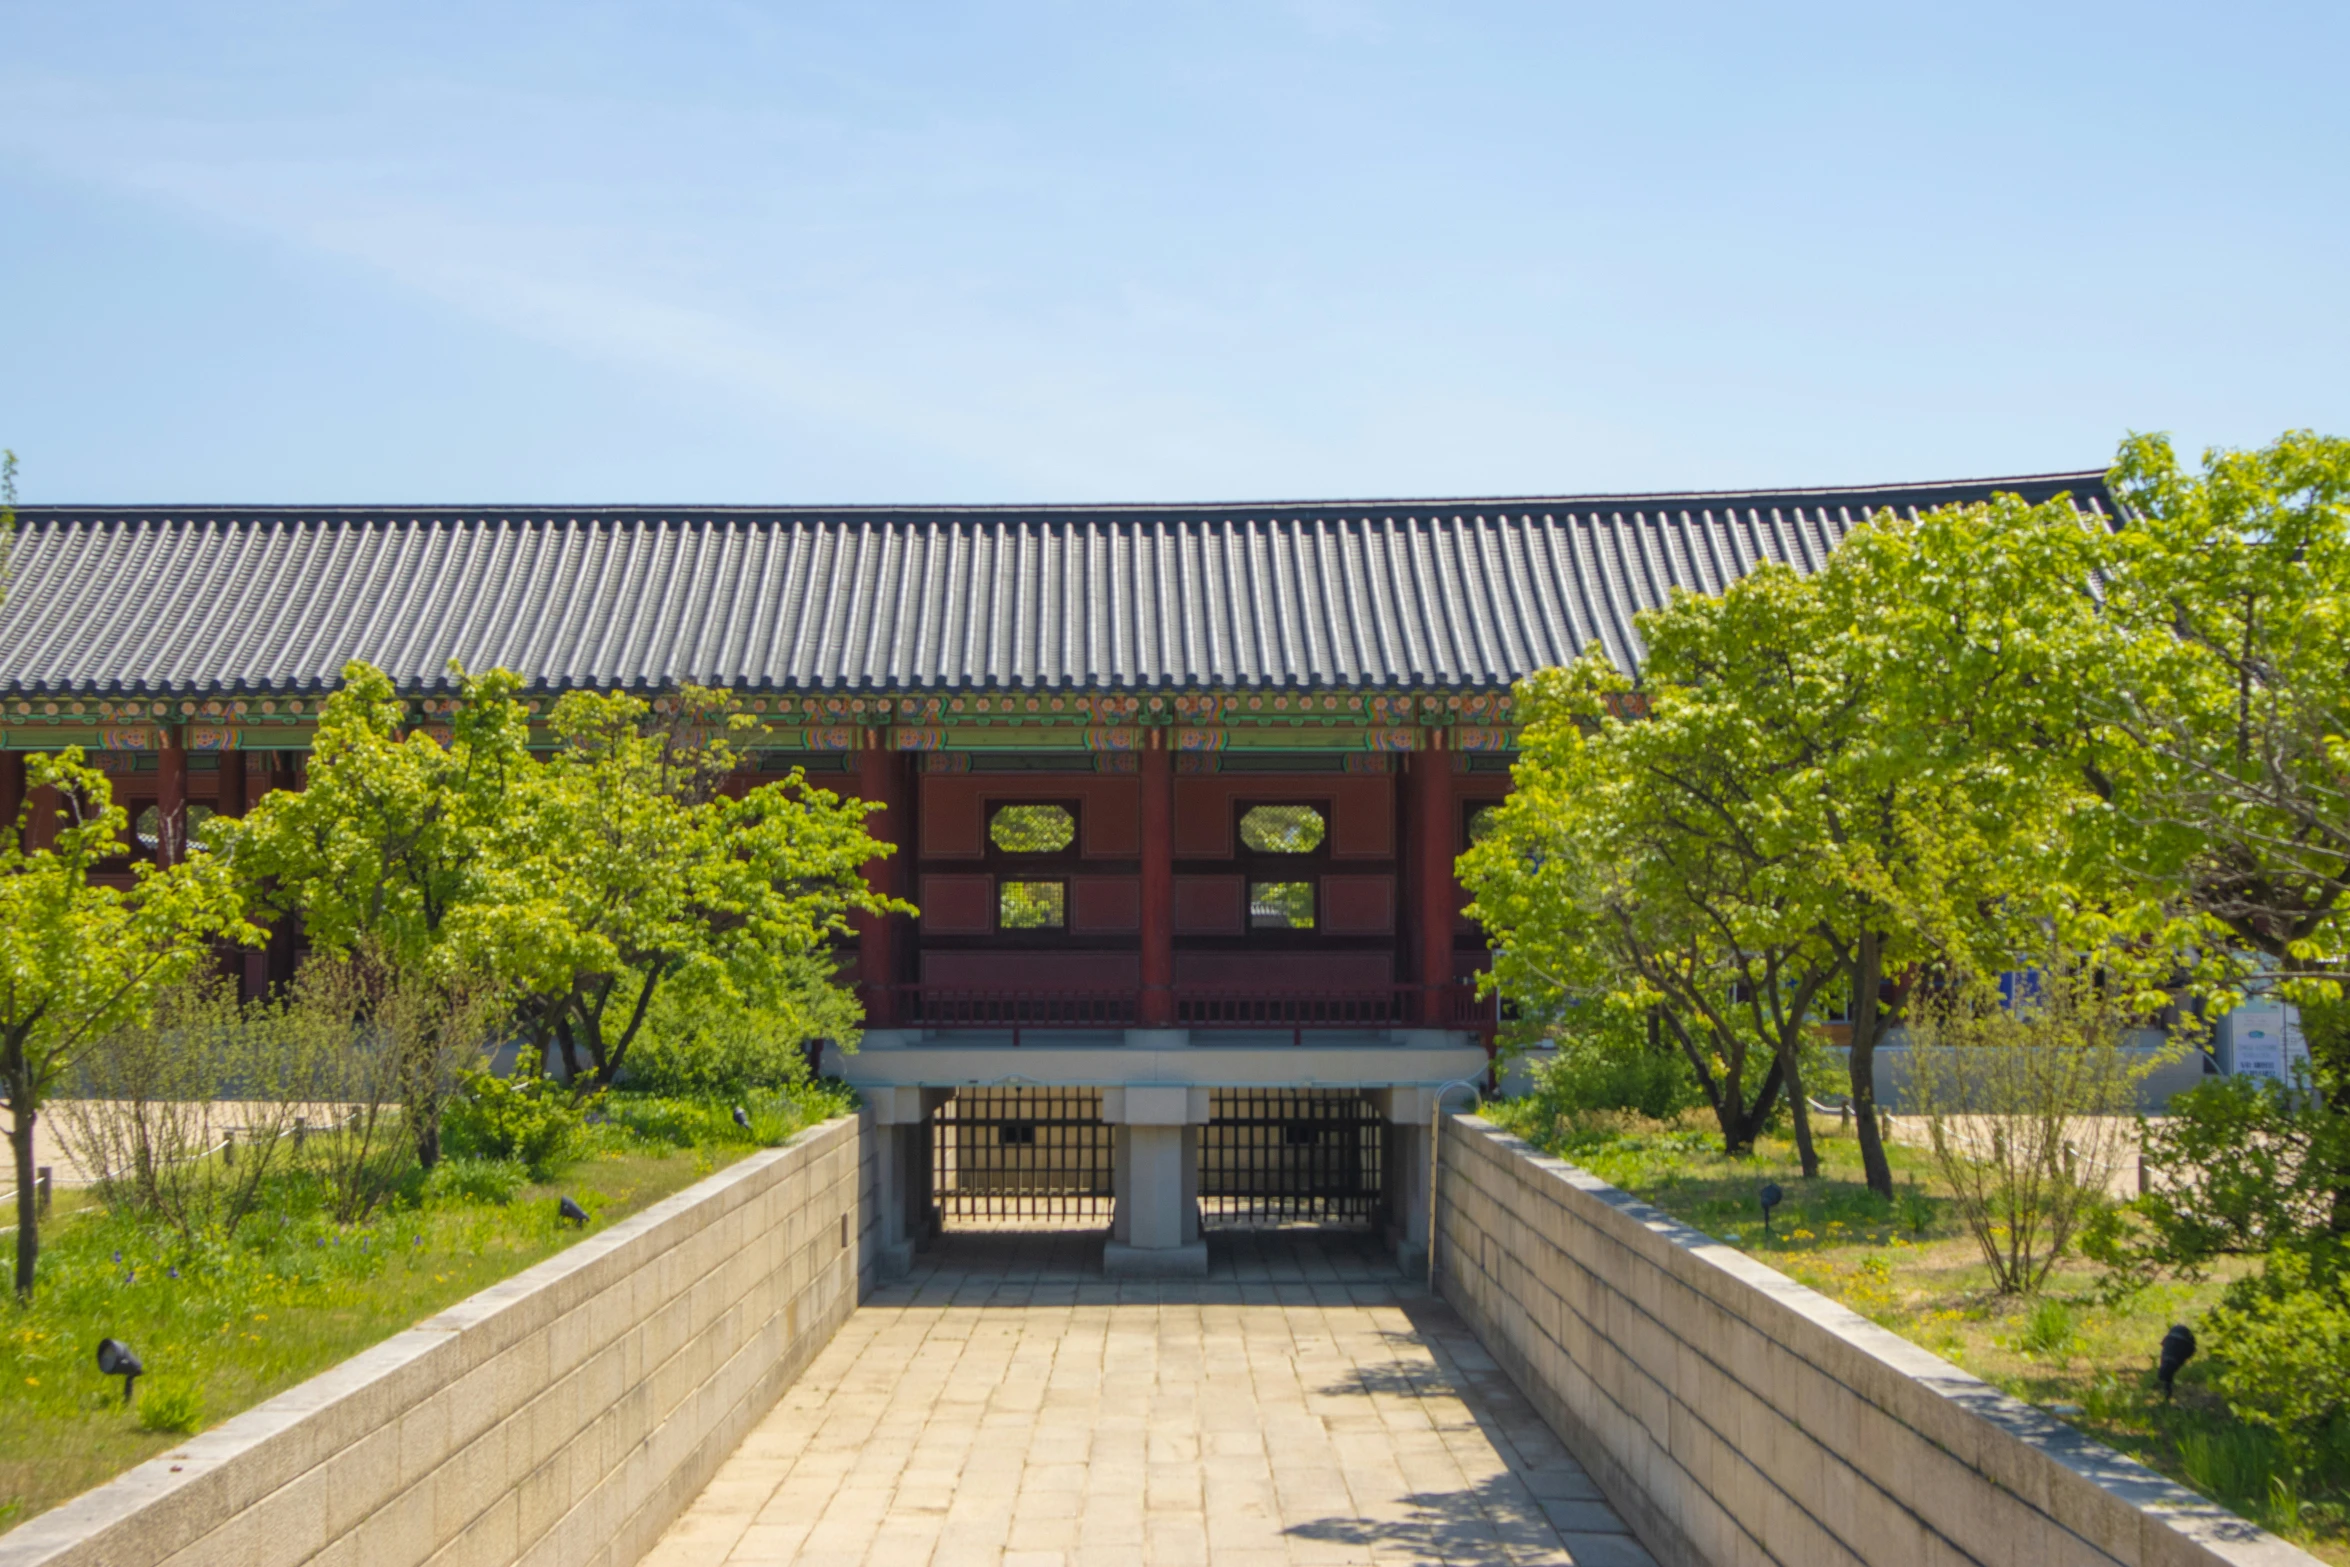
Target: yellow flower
(32, 1381)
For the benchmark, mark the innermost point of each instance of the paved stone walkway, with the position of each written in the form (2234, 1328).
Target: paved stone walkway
(1009, 1406)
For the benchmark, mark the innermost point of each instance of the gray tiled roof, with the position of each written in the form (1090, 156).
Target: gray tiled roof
(1409, 594)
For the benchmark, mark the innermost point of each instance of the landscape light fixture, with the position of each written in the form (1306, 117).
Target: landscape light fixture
(2178, 1347)
(742, 1118)
(1771, 1198)
(116, 1360)
(569, 1212)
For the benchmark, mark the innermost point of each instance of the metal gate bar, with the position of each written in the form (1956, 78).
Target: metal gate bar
(1271, 1156)
(1022, 1158)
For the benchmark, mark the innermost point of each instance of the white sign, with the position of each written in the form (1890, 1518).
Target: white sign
(2264, 1040)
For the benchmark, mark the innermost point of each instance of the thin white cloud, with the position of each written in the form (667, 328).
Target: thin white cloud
(983, 387)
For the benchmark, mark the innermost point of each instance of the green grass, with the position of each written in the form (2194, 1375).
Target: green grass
(1909, 1266)
(223, 1326)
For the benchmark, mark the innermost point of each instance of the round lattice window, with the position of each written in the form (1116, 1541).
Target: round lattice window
(1282, 829)
(1032, 829)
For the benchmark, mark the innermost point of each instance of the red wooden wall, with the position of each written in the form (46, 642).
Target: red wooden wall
(1351, 948)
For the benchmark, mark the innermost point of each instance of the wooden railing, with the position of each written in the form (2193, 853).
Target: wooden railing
(943, 1006)
(1394, 1006)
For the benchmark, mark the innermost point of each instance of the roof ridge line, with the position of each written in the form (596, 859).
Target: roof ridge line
(870, 509)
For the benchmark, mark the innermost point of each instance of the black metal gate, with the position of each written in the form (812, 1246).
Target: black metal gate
(1022, 1158)
(1273, 1156)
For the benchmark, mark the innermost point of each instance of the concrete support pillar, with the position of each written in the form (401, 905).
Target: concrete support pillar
(1407, 1200)
(877, 969)
(171, 806)
(1433, 831)
(1404, 1172)
(1155, 1152)
(901, 1127)
(1157, 1002)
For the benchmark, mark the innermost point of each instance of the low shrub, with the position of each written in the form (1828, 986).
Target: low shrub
(173, 1406)
(680, 1122)
(699, 1046)
(2281, 1339)
(2049, 1330)
(2025, 1098)
(1589, 1075)
(2237, 1464)
(2240, 1165)
(528, 1117)
(465, 1178)
(667, 1123)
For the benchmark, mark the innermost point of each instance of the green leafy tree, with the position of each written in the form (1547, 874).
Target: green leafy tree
(2233, 589)
(2230, 592)
(1613, 876)
(389, 851)
(1827, 785)
(1939, 813)
(80, 957)
(632, 868)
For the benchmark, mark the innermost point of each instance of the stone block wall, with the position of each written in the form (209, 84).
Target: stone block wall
(565, 1416)
(1734, 1417)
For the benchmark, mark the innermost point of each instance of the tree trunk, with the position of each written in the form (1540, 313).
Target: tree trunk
(28, 1200)
(609, 1054)
(1791, 1070)
(1742, 1124)
(570, 1049)
(1867, 1022)
(424, 1097)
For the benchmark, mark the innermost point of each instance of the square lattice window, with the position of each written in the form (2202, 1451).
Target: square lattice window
(1280, 905)
(1032, 905)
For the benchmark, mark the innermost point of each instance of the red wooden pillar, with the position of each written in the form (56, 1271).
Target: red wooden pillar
(238, 788)
(11, 793)
(876, 933)
(1156, 1007)
(41, 818)
(1432, 812)
(171, 808)
(278, 959)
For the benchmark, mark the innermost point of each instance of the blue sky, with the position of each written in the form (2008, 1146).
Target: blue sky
(1053, 252)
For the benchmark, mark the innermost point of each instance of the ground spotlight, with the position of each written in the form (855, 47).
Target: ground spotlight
(116, 1360)
(569, 1212)
(1771, 1198)
(2178, 1347)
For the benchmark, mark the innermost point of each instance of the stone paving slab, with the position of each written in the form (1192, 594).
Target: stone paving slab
(1007, 1406)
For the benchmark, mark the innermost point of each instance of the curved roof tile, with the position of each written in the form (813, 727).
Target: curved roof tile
(1406, 594)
